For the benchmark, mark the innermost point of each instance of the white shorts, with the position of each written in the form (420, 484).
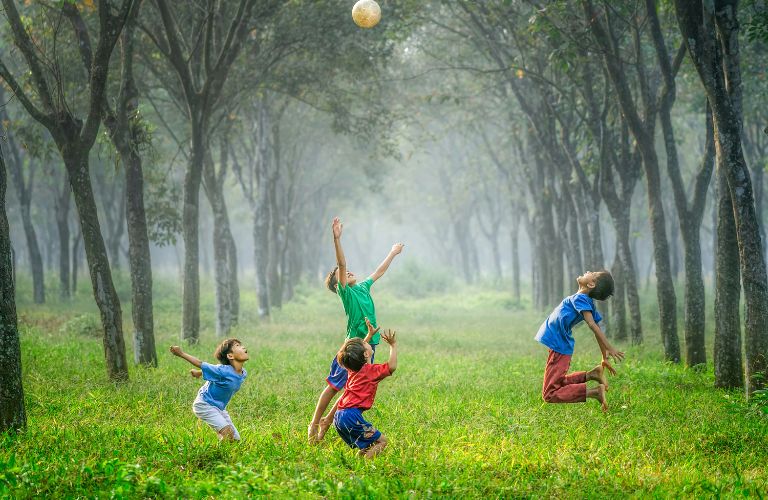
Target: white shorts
(217, 419)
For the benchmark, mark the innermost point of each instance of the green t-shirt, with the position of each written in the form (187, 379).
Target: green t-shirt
(358, 305)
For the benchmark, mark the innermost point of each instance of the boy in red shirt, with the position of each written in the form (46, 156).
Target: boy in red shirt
(360, 390)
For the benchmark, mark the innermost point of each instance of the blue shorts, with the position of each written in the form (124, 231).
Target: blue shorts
(356, 431)
(337, 378)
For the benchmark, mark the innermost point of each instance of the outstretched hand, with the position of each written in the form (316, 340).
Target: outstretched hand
(397, 248)
(336, 227)
(389, 337)
(371, 330)
(608, 367)
(617, 356)
(176, 350)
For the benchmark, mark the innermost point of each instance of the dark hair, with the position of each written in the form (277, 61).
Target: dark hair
(223, 349)
(352, 354)
(331, 280)
(603, 286)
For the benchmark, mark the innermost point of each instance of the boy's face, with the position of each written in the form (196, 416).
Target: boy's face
(368, 352)
(351, 278)
(587, 279)
(238, 353)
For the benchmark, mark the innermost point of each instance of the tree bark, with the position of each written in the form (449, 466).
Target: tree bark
(24, 193)
(224, 251)
(619, 309)
(62, 224)
(261, 207)
(98, 266)
(515, 250)
(76, 260)
(727, 351)
(12, 412)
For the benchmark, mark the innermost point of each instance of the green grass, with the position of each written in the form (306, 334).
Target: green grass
(463, 412)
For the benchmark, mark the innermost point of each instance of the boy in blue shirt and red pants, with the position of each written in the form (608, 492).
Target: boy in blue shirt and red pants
(556, 333)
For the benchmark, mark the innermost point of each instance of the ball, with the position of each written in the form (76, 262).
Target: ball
(366, 13)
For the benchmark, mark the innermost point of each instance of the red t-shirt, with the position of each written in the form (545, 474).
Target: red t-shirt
(361, 386)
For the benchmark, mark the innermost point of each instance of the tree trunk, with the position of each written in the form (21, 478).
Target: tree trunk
(76, 260)
(515, 256)
(727, 352)
(224, 253)
(98, 266)
(139, 260)
(12, 413)
(24, 194)
(619, 310)
(190, 305)
(261, 214)
(62, 223)
(274, 274)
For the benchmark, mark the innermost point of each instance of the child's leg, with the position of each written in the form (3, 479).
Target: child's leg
(326, 421)
(337, 379)
(598, 375)
(598, 393)
(376, 448)
(560, 386)
(322, 404)
(232, 433)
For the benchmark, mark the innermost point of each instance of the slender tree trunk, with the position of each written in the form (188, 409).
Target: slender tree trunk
(139, 260)
(515, 256)
(224, 254)
(12, 412)
(191, 232)
(24, 194)
(76, 260)
(98, 265)
(619, 310)
(727, 352)
(62, 224)
(261, 214)
(274, 274)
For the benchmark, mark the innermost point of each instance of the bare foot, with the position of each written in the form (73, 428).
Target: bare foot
(600, 396)
(312, 432)
(598, 375)
(322, 428)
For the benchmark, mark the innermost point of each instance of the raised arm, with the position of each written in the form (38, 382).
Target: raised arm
(379, 272)
(371, 331)
(605, 347)
(176, 351)
(340, 260)
(389, 338)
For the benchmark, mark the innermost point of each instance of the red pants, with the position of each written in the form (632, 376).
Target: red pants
(560, 386)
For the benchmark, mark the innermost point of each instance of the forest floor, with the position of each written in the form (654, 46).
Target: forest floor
(463, 413)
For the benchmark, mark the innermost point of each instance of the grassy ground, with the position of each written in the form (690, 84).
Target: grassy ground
(463, 412)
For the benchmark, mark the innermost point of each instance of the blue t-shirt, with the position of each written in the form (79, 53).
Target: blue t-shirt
(555, 332)
(222, 383)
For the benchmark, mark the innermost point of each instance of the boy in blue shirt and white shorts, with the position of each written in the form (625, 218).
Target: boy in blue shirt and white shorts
(222, 382)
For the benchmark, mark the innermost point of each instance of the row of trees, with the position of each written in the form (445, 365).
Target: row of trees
(533, 117)
(581, 99)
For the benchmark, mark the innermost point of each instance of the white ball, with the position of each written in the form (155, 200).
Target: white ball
(366, 13)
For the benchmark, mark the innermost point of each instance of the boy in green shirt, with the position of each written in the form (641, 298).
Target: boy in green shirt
(358, 305)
